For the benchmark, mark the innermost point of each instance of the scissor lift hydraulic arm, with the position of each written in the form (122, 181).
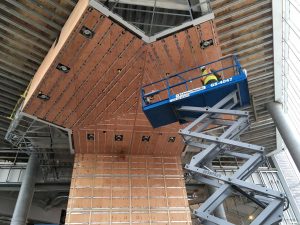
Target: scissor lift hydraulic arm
(208, 107)
(271, 202)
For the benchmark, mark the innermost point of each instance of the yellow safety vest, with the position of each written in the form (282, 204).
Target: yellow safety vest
(208, 78)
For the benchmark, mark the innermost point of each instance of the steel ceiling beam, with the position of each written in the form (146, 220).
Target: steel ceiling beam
(166, 4)
(243, 45)
(23, 65)
(25, 29)
(263, 51)
(39, 187)
(224, 7)
(50, 13)
(251, 17)
(8, 102)
(26, 77)
(261, 22)
(254, 62)
(155, 12)
(9, 30)
(19, 54)
(30, 22)
(11, 83)
(13, 78)
(260, 67)
(31, 12)
(10, 90)
(261, 77)
(240, 11)
(3, 124)
(27, 49)
(262, 31)
(9, 97)
(59, 7)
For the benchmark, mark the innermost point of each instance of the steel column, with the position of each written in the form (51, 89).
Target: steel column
(26, 192)
(286, 130)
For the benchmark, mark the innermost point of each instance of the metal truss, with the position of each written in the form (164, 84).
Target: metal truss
(27, 132)
(153, 16)
(52, 143)
(234, 122)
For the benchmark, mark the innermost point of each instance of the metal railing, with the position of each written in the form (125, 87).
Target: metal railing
(227, 66)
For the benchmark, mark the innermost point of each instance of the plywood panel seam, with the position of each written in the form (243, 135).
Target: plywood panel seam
(96, 26)
(54, 63)
(86, 79)
(89, 108)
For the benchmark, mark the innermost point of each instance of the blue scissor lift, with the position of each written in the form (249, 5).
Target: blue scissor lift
(181, 98)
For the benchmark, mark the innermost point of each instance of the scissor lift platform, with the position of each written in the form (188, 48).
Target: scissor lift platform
(165, 110)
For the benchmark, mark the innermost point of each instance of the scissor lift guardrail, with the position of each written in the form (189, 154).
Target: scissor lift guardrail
(160, 99)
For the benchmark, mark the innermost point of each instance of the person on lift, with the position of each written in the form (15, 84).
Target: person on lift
(209, 76)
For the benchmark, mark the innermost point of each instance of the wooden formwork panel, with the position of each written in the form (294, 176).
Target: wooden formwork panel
(134, 128)
(96, 64)
(115, 93)
(100, 98)
(107, 70)
(167, 143)
(68, 55)
(102, 89)
(147, 193)
(77, 17)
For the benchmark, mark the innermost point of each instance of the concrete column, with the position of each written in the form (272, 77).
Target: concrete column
(286, 130)
(219, 211)
(26, 192)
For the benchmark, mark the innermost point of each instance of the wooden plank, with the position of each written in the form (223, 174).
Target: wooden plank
(78, 218)
(91, 71)
(74, 19)
(113, 91)
(79, 68)
(137, 198)
(100, 217)
(111, 86)
(69, 57)
(90, 92)
(132, 141)
(102, 88)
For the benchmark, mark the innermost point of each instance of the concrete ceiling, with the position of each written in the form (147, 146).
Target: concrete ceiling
(28, 28)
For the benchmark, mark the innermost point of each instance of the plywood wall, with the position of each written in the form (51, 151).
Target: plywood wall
(127, 189)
